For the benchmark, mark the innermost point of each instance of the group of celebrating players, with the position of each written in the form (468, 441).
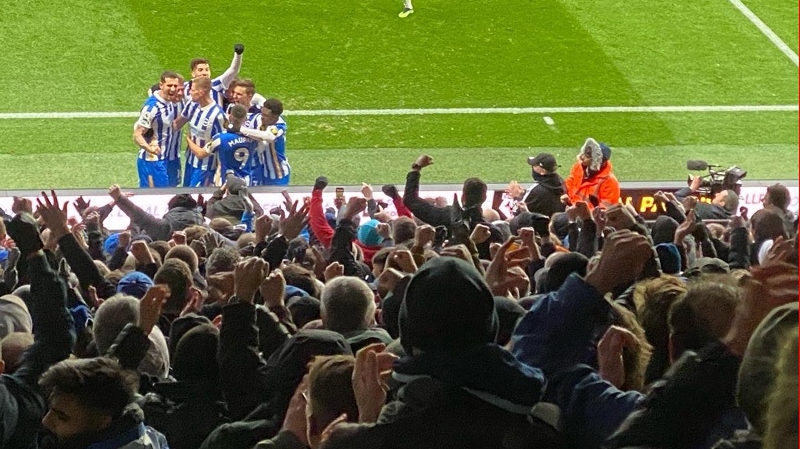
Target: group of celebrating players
(229, 129)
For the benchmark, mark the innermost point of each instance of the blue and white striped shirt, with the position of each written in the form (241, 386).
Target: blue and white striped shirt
(173, 152)
(204, 123)
(157, 115)
(217, 91)
(271, 156)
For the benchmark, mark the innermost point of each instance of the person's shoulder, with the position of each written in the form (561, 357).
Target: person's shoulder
(217, 109)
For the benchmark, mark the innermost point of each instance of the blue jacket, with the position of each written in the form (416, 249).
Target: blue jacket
(591, 408)
(562, 328)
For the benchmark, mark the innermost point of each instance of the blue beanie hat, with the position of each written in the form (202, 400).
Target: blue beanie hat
(606, 151)
(110, 245)
(292, 291)
(670, 258)
(368, 233)
(134, 284)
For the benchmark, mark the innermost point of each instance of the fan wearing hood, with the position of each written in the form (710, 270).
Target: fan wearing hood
(591, 179)
(456, 376)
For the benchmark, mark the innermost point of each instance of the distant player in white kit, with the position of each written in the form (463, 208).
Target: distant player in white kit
(408, 9)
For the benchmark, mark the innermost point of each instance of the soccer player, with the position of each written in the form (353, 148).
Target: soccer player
(269, 128)
(408, 9)
(153, 132)
(206, 119)
(243, 92)
(233, 149)
(201, 69)
(173, 150)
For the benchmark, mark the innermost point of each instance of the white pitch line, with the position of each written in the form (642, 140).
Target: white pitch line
(766, 30)
(443, 111)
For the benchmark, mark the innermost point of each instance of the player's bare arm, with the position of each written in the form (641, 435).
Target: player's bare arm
(196, 149)
(138, 137)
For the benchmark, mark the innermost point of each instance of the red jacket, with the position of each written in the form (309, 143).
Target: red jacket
(603, 185)
(324, 231)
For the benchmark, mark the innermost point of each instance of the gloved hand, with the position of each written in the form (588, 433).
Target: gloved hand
(541, 224)
(238, 48)
(321, 183)
(25, 233)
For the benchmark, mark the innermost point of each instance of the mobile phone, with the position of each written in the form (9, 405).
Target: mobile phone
(340, 192)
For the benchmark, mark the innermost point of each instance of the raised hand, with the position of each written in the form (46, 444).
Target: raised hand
(388, 280)
(150, 307)
(480, 233)
(498, 269)
(372, 366)
(514, 190)
(366, 190)
(354, 207)
(248, 276)
(619, 217)
(195, 302)
(124, 240)
(770, 286)
(53, 215)
(333, 270)
(405, 260)
(263, 227)
(622, 260)
(288, 204)
(424, 235)
(424, 161)
(384, 230)
(141, 252)
(685, 228)
(609, 354)
(114, 192)
(81, 205)
(77, 231)
(582, 211)
(457, 251)
(273, 289)
(780, 252)
(600, 220)
(291, 226)
(295, 421)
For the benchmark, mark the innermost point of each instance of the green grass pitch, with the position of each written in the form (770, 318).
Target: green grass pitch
(85, 55)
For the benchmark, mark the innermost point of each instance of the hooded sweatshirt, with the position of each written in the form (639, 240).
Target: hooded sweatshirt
(545, 195)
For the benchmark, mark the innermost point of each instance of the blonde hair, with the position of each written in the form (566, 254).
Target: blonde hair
(781, 416)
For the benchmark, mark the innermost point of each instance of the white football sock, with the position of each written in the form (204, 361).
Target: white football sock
(407, 4)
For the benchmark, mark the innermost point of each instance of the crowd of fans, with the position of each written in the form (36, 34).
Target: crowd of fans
(573, 324)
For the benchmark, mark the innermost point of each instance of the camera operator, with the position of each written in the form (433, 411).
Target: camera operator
(722, 206)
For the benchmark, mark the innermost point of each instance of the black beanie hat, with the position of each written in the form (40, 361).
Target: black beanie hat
(663, 230)
(447, 306)
(562, 267)
(195, 356)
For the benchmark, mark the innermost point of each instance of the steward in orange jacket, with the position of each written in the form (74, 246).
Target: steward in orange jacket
(591, 179)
